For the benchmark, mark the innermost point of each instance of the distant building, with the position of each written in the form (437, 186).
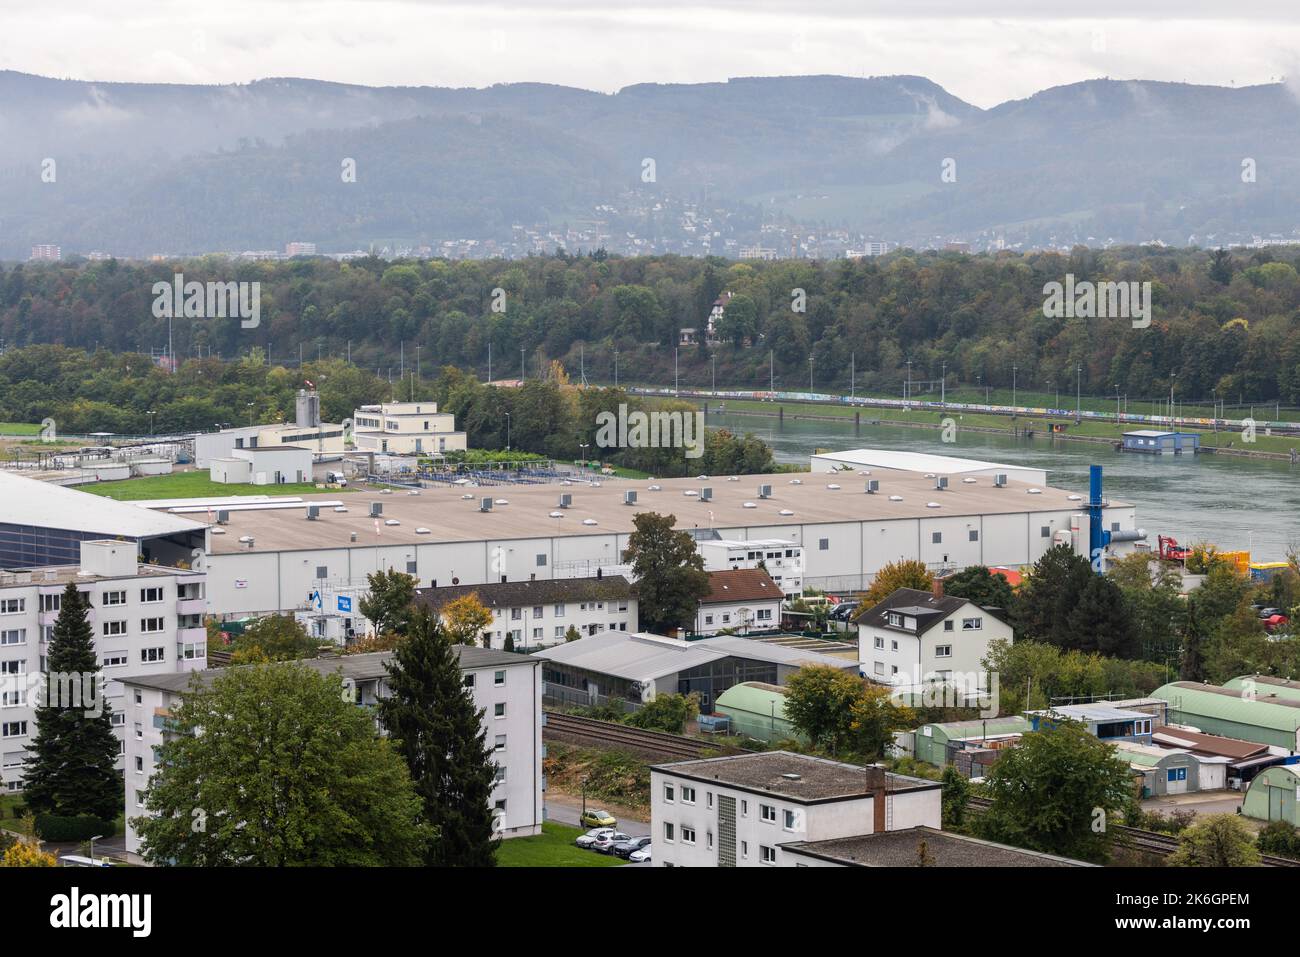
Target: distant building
(937, 743)
(263, 465)
(756, 710)
(1103, 720)
(868, 250)
(46, 253)
(757, 252)
(1156, 442)
(1263, 717)
(406, 428)
(300, 249)
(306, 432)
(781, 558)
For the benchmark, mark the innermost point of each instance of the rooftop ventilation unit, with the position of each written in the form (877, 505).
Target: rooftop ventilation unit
(313, 512)
(485, 504)
(873, 486)
(941, 483)
(566, 499)
(1000, 480)
(223, 517)
(765, 491)
(706, 494)
(629, 497)
(376, 509)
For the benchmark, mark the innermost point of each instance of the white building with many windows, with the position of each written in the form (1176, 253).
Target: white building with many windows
(782, 558)
(507, 687)
(738, 811)
(406, 428)
(146, 619)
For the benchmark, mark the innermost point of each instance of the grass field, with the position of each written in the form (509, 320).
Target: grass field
(554, 847)
(189, 485)
(19, 428)
(7, 820)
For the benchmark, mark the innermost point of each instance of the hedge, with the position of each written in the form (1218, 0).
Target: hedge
(53, 827)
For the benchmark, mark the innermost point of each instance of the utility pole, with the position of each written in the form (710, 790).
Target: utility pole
(675, 377)
(523, 365)
(1078, 392)
(852, 375)
(615, 368)
(1014, 369)
(810, 373)
(713, 361)
(943, 388)
(771, 371)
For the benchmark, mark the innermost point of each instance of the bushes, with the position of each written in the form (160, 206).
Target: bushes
(53, 827)
(1279, 837)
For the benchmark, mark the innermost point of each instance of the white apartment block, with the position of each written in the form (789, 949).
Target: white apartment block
(406, 428)
(916, 639)
(782, 558)
(539, 613)
(738, 811)
(147, 619)
(507, 687)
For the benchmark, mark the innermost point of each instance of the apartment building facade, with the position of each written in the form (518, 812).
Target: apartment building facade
(506, 687)
(781, 558)
(406, 428)
(146, 619)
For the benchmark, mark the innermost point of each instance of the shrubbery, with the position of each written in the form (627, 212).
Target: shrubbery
(59, 829)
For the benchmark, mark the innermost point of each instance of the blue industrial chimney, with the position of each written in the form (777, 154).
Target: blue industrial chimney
(1098, 537)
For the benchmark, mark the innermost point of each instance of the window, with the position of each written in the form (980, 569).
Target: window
(499, 709)
(139, 696)
(880, 642)
(744, 850)
(516, 614)
(895, 619)
(708, 800)
(139, 798)
(559, 631)
(708, 619)
(112, 628)
(500, 743)
(1177, 774)
(537, 611)
(688, 794)
(767, 854)
(668, 793)
(499, 678)
(12, 606)
(708, 839)
(688, 835)
(767, 812)
(468, 681)
(139, 765)
(974, 535)
(13, 699)
(151, 655)
(191, 650)
(13, 729)
(789, 819)
(148, 595)
(765, 614)
(47, 633)
(14, 636)
(500, 775)
(14, 759)
(823, 544)
(51, 602)
(559, 609)
(115, 659)
(117, 719)
(1045, 531)
(880, 667)
(744, 809)
(972, 624)
(943, 651)
(947, 626)
(114, 598)
(150, 626)
(15, 667)
(936, 538)
(541, 560)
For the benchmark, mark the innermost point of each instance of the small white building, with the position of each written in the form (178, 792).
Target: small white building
(264, 465)
(738, 811)
(915, 639)
(306, 431)
(406, 428)
(507, 687)
(782, 559)
(145, 618)
(739, 600)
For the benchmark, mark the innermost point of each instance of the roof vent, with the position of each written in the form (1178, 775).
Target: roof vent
(340, 508)
(895, 498)
(313, 512)
(968, 481)
(391, 521)
(791, 776)
(485, 504)
(941, 483)
(422, 531)
(796, 481)
(629, 497)
(786, 512)
(1000, 480)
(750, 505)
(706, 494)
(653, 488)
(588, 521)
(1034, 491)
(932, 505)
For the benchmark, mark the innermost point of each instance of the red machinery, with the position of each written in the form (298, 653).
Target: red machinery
(1170, 550)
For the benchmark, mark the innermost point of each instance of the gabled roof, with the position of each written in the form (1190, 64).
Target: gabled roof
(550, 591)
(1211, 744)
(922, 605)
(741, 584)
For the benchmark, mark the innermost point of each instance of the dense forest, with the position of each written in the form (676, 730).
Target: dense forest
(1225, 324)
(129, 393)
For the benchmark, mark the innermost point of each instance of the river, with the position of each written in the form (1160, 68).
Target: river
(1235, 503)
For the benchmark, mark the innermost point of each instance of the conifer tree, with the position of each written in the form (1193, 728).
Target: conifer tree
(70, 762)
(432, 720)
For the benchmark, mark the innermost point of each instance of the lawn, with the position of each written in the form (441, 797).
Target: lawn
(7, 820)
(189, 485)
(19, 428)
(554, 847)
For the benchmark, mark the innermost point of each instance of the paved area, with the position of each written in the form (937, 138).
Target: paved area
(1200, 802)
(565, 809)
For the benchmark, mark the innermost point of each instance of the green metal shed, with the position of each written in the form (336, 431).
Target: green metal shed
(756, 710)
(932, 739)
(1272, 795)
(1266, 686)
(1263, 718)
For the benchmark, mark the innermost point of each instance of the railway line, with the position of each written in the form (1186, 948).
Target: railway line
(591, 732)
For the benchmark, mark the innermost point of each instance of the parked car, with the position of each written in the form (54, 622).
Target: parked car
(606, 842)
(1266, 613)
(640, 857)
(598, 818)
(590, 838)
(626, 849)
(1274, 622)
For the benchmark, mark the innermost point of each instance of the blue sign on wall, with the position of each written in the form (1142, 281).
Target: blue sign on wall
(345, 603)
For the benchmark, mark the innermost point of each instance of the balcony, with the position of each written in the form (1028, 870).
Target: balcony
(191, 606)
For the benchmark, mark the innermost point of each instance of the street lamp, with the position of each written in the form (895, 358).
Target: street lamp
(584, 446)
(151, 415)
(97, 837)
(507, 431)
(1014, 370)
(810, 373)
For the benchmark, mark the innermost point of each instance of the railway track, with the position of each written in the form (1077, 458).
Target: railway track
(1152, 842)
(590, 732)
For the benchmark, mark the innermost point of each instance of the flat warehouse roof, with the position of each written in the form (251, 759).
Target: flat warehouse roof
(450, 517)
(918, 461)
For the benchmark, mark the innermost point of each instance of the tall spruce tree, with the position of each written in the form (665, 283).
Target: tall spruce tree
(70, 760)
(431, 719)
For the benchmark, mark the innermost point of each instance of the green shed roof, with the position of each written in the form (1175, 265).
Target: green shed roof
(980, 726)
(1227, 704)
(756, 697)
(1267, 685)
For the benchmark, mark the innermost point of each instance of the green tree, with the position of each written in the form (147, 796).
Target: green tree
(431, 718)
(667, 712)
(956, 792)
(1100, 621)
(874, 717)
(70, 761)
(819, 705)
(904, 573)
(1055, 792)
(273, 638)
(1280, 838)
(985, 588)
(388, 602)
(1049, 595)
(270, 766)
(572, 634)
(1218, 840)
(669, 570)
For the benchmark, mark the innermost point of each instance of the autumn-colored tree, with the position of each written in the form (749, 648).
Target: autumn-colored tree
(465, 618)
(27, 854)
(273, 638)
(369, 644)
(904, 573)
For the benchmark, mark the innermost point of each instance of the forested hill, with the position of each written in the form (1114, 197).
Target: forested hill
(1220, 323)
(141, 169)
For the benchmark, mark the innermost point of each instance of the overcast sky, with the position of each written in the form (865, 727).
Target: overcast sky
(1010, 49)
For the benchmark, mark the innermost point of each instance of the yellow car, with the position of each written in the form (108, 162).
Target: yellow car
(597, 818)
